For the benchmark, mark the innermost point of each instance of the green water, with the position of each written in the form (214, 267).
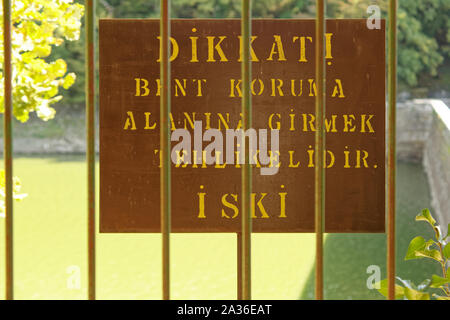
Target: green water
(50, 244)
(347, 256)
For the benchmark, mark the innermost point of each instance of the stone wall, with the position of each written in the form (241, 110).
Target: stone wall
(414, 120)
(423, 135)
(436, 161)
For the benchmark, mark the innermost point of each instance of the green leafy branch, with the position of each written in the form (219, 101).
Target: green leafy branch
(17, 186)
(437, 250)
(37, 27)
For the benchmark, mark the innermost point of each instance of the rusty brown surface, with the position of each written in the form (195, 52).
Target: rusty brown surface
(90, 143)
(8, 151)
(164, 134)
(129, 173)
(391, 158)
(320, 145)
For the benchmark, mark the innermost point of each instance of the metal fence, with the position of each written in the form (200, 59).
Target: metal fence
(244, 237)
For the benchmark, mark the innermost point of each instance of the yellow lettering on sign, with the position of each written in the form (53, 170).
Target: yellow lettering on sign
(130, 121)
(215, 48)
(277, 48)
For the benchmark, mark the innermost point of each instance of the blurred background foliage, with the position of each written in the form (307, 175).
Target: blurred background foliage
(37, 27)
(424, 34)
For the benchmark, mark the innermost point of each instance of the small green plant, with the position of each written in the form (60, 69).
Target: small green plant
(437, 250)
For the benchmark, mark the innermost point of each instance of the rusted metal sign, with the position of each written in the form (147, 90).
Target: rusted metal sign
(206, 87)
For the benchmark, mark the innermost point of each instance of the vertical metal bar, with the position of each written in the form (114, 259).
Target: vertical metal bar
(239, 265)
(319, 191)
(246, 168)
(7, 134)
(165, 195)
(392, 84)
(90, 149)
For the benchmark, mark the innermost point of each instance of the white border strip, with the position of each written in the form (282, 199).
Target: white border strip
(442, 110)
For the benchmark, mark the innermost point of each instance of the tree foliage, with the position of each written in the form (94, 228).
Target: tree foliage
(232, 8)
(202, 8)
(423, 33)
(17, 186)
(37, 26)
(423, 37)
